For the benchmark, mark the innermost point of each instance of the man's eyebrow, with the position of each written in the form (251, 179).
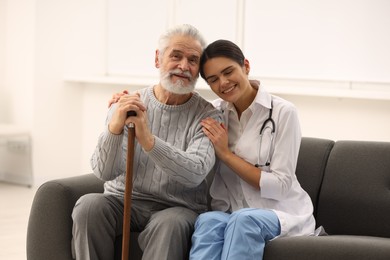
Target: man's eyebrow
(173, 51)
(194, 56)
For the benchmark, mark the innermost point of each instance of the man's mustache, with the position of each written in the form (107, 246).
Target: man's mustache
(181, 73)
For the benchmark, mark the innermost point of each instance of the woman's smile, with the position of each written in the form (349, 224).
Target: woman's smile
(230, 89)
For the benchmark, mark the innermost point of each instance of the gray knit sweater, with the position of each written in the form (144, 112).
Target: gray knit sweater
(174, 171)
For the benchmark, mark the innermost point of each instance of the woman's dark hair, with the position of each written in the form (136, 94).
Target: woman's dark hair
(221, 48)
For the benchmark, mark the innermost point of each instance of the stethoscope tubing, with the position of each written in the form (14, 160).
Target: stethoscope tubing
(263, 127)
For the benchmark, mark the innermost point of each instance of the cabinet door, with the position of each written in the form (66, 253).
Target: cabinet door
(15, 158)
(216, 19)
(133, 29)
(325, 40)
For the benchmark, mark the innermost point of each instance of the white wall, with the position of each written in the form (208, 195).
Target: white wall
(38, 49)
(343, 118)
(3, 99)
(19, 58)
(44, 40)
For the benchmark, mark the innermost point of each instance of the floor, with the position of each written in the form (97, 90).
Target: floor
(15, 204)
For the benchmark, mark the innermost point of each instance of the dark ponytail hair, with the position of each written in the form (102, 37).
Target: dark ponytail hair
(221, 48)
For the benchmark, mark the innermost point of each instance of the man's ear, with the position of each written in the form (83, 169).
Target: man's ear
(156, 59)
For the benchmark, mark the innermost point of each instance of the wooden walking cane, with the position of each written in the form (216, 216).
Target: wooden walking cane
(128, 189)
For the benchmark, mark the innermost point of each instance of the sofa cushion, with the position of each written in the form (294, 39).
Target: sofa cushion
(312, 159)
(355, 194)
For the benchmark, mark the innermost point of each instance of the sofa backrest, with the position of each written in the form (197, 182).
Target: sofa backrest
(355, 193)
(312, 160)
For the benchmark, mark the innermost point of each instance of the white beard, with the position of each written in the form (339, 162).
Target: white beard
(178, 87)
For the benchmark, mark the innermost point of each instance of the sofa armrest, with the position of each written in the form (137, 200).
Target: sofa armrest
(49, 231)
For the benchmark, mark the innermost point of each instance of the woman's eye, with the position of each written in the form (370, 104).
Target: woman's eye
(228, 72)
(213, 80)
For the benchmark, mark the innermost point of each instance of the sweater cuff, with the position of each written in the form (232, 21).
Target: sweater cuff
(111, 140)
(158, 151)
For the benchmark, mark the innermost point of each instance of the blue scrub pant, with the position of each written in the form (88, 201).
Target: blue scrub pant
(241, 235)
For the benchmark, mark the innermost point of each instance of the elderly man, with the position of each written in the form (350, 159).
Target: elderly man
(172, 159)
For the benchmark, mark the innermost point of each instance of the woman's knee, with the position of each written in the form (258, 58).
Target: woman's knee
(249, 218)
(250, 215)
(211, 218)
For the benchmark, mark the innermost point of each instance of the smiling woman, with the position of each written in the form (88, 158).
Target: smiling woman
(255, 193)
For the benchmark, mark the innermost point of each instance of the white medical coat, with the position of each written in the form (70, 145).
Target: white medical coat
(280, 190)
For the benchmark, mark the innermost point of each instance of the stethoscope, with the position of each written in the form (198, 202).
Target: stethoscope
(266, 125)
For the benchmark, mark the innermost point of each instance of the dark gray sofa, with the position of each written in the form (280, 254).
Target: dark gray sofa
(348, 181)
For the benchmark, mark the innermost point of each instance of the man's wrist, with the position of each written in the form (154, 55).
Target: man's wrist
(149, 144)
(114, 130)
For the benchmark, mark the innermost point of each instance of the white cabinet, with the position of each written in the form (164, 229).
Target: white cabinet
(15, 155)
(343, 40)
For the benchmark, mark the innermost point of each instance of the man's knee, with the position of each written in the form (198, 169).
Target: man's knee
(175, 218)
(89, 206)
(166, 228)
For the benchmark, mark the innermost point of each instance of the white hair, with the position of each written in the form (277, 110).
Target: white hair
(183, 29)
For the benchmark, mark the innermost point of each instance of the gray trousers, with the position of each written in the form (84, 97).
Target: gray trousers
(98, 219)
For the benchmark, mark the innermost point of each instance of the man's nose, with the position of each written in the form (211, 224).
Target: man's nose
(184, 65)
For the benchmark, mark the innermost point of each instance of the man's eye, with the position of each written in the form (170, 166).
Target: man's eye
(175, 56)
